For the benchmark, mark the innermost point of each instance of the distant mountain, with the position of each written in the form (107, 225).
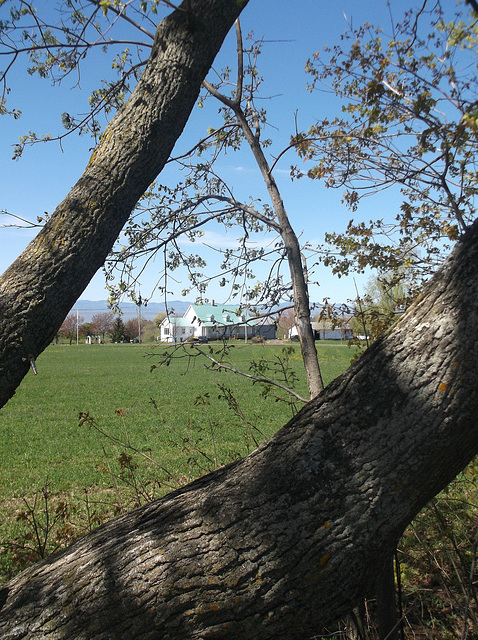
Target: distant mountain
(88, 308)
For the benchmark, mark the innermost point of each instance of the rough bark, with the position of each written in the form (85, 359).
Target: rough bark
(280, 543)
(41, 286)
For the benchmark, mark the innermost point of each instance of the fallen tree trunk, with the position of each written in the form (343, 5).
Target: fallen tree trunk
(39, 289)
(284, 541)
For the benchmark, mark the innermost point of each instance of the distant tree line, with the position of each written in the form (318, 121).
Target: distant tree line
(106, 326)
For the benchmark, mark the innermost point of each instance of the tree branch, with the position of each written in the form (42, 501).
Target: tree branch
(122, 14)
(228, 367)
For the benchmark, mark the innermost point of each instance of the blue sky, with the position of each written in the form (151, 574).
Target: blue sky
(294, 31)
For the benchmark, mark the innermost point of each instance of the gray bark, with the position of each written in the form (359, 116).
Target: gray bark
(293, 536)
(41, 286)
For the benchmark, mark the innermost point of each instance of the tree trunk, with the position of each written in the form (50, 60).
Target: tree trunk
(291, 242)
(41, 286)
(289, 237)
(294, 258)
(291, 537)
(387, 611)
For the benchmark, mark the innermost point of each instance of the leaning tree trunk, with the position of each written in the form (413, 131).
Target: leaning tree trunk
(41, 286)
(280, 543)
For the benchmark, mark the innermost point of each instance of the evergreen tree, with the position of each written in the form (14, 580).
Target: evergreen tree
(117, 333)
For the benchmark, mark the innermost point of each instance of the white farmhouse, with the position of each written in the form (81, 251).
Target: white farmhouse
(214, 322)
(175, 329)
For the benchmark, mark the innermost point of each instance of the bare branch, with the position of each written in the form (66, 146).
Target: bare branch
(23, 223)
(122, 14)
(240, 62)
(228, 367)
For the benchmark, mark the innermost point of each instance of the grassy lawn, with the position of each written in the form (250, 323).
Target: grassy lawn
(90, 477)
(42, 440)
(60, 477)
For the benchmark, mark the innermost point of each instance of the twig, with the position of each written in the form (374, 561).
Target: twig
(464, 633)
(228, 367)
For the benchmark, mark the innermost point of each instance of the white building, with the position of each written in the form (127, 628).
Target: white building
(214, 322)
(327, 330)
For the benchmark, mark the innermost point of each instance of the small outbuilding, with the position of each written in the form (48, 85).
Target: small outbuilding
(328, 330)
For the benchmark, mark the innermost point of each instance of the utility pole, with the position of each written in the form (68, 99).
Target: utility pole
(139, 318)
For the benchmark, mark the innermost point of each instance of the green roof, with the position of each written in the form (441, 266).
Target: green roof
(205, 313)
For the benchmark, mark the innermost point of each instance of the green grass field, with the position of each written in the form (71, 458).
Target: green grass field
(89, 478)
(60, 477)
(42, 440)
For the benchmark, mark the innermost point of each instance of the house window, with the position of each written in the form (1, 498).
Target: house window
(166, 331)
